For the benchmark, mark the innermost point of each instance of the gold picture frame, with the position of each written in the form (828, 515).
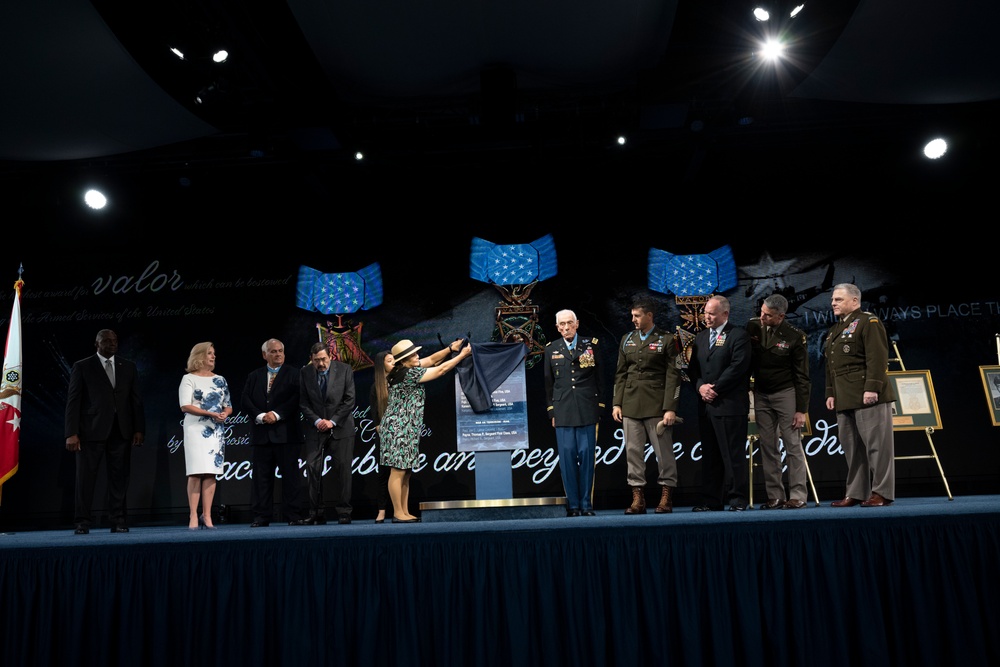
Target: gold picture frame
(991, 388)
(916, 407)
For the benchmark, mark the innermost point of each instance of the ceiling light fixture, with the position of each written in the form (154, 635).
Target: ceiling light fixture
(935, 148)
(95, 199)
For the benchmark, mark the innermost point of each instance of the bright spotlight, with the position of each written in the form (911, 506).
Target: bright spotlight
(772, 49)
(795, 11)
(177, 52)
(95, 200)
(935, 149)
(359, 156)
(220, 56)
(761, 14)
(621, 140)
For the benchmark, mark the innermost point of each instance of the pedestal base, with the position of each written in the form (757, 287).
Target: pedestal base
(493, 510)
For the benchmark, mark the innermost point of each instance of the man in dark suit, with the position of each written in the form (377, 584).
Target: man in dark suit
(574, 394)
(271, 398)
(104, 419)
(647, 390)
(781, 388)
(720, 371)
(326, 398)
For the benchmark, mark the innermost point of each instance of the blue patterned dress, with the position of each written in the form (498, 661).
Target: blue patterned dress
(403, 421)
(204, 438)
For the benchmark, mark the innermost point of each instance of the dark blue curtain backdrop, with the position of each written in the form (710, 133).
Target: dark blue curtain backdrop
(163, 297)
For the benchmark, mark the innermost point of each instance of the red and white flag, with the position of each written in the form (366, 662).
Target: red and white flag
(10, 393)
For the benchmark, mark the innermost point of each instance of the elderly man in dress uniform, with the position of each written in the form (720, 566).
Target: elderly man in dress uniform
(574, 393)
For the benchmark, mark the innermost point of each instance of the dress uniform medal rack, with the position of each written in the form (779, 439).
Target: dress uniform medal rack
(753, 436)
(926, 418)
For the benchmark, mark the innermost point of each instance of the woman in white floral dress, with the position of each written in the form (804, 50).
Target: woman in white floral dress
(206, 403)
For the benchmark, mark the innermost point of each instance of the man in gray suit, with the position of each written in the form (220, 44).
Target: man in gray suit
(326, 398)
(104, 419)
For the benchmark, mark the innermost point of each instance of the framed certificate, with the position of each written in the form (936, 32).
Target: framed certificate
(916, 406)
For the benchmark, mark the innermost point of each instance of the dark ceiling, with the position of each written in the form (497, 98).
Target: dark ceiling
(448, 86)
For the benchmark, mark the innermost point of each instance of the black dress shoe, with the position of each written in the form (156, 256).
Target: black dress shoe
(344, 519)
(572, 512)
(588, 513)
(260, 523)
(413, 520)
(737, 507)
(81, 530)
(301, 522)
(706, 508)
(119, 529)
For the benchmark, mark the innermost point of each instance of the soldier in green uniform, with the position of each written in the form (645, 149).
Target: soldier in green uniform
(858, 388)
(781, 386)
(647, 390)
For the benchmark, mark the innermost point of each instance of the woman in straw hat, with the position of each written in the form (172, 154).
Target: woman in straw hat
(404, 415)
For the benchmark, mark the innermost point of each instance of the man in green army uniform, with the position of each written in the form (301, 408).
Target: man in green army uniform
(646, 393)
(781, 386)
(858, 388)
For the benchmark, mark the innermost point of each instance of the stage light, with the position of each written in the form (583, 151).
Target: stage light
(772, 49)
(95, 199)
(796, 10)
(935, 148)
(621, 140)
(359, 156)
(761, 14)
(177, 52)
(220, 56)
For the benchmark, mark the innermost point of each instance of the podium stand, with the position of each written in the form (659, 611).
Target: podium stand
(492, 437)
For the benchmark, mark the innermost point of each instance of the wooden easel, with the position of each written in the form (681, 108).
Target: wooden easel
(929, 431)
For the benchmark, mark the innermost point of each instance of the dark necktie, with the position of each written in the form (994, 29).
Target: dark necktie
(322, 385)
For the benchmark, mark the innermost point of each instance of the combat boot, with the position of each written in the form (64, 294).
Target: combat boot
(666, 505)
(638, 505)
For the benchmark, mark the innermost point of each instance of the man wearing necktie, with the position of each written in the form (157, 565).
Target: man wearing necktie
(720, 371)
(271, 398)
(858, 389)
(781, 386)
(574, 392)
(104, 419)
(326, 399)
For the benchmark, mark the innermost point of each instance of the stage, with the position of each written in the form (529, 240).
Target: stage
(916, 583)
